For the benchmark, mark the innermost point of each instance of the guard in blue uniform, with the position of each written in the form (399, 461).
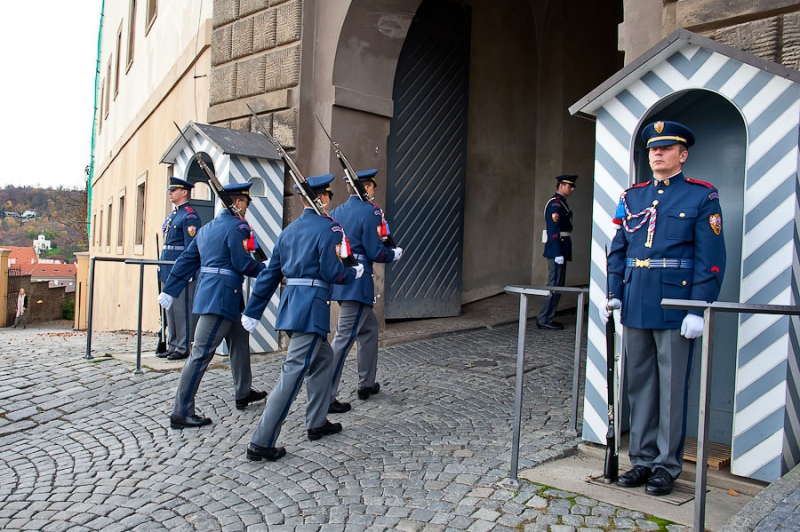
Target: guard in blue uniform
(221, 251)
(557, 246)
(307, 254)
(179, 230)
(357, 322)
(669, 245)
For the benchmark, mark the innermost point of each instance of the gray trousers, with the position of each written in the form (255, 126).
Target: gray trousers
(211, 330)
(309, 358)
(556, 276)
(24, 317)
(657, 366)
(357, 324)
(180, 322)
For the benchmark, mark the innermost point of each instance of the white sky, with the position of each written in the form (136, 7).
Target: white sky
(48, 58)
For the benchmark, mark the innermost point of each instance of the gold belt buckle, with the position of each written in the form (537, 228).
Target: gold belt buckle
(642, 263)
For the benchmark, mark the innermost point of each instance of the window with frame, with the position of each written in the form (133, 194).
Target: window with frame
(100, 228)
(121, 221)
(94, 229)
(108, 224)
(117, 62)
(108, 92)
(140, 197)
(102, 105)
(152, 11)
(131, 32)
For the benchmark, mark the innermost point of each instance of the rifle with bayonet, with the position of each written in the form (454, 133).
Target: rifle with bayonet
(222, 194)
(305, 189)
(611, 465)
(352, 179)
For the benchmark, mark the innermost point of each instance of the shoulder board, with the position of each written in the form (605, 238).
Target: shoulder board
(698, 182)
(245, 226)
(189, 208)
(640, 185)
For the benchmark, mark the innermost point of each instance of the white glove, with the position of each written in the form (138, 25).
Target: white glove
(692, 326)
(165, 300)
(249, 323)
(609, 304)
(559, 260)
(359, 269)
(398, 252)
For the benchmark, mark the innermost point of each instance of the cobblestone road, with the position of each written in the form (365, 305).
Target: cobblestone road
(86, 444)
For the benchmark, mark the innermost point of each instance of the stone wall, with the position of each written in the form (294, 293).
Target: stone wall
(255, 59)
(776, 38)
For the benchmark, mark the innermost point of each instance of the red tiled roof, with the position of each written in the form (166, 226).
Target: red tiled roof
(54, 271)
(22, 258)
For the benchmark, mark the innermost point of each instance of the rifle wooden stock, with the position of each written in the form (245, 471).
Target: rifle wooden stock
(611, 465)
(221, 193)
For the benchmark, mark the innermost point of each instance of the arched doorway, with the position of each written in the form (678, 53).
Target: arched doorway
(203, 199)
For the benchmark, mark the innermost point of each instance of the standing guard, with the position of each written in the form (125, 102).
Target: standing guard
(557, 240)
(179, 230)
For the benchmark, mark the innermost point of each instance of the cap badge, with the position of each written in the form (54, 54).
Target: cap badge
(659, 126)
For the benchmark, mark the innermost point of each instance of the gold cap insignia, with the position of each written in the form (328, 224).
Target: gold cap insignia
(659, 126)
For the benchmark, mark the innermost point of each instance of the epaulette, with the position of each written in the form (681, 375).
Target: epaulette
(640, 185)
(188, 208)
(698, 182)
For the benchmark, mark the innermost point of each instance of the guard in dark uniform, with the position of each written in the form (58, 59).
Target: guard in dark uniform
(221, 251)
(669, 245)
(357, 322)
(307, 254)
(179, 230)
(557, 246)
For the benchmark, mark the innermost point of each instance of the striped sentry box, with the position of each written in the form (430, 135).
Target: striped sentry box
(265, 213)
(766, 422)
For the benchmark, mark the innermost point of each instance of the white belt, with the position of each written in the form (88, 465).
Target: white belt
(565, 234)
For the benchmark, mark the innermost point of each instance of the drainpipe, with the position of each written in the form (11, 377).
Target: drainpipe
(90, 173)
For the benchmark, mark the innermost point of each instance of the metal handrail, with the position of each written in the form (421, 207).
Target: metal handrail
(141, 263)
(524, 292)
(709, 309)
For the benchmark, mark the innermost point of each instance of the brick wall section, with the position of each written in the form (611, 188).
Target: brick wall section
(255, 50)
(52, 301)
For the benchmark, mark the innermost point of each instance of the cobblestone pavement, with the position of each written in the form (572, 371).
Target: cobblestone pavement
(86, 444)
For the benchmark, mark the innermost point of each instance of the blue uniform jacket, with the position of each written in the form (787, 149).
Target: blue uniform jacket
(558, 218)
(306, 250)
(689, 227)
(179, 230)
(220, 249)
(361, 221)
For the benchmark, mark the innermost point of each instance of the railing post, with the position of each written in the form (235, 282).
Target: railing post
(523, 322)
(701, 475)
(88, 354)
(576, 364)
(138, 370)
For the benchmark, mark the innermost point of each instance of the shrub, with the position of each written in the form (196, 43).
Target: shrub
(68, 310)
